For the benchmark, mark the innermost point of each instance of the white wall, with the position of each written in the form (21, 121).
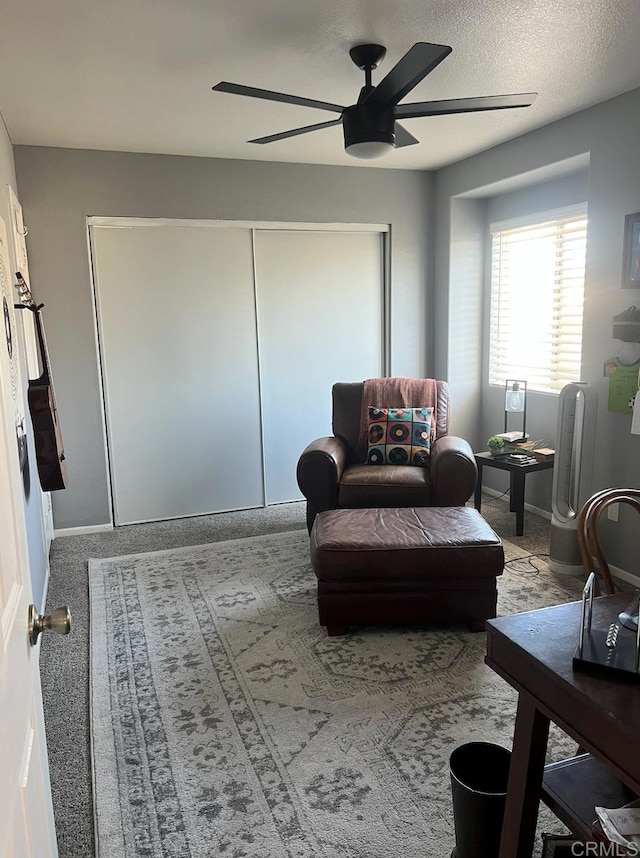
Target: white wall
(607, 134)
(59, 188)
(33, 510)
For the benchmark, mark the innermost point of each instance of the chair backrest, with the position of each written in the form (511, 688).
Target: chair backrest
(593, 559)
(347, 411)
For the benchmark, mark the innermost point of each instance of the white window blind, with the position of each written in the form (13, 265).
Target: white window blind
(537, 293)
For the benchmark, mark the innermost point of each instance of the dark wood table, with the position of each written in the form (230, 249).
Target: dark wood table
(517, 474)
(533, 652)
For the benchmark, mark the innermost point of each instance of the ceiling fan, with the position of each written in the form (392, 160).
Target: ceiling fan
(371, 126)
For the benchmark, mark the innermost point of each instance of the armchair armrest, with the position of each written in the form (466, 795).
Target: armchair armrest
(320, 467)
(453, 471)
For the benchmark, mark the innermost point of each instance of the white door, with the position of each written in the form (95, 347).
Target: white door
(180, 369)
(26, 815)
(320, 320)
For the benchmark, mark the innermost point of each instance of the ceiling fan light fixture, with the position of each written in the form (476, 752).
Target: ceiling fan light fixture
(369, 149)
(368, 134)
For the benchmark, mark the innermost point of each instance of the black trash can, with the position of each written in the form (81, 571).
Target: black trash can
(479, 775)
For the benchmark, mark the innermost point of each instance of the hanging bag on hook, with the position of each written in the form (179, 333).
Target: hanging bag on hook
(626, 325)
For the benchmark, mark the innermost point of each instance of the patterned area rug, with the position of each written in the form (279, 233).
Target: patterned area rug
(225, 721)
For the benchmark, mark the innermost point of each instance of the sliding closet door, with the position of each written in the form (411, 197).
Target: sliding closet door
(320, 300)
(176, 318)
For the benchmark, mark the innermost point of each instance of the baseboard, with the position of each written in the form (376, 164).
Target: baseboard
(81, 531)
(629, 577)
(528, 506)
(45, 587)
(538, 511)
(622, 574)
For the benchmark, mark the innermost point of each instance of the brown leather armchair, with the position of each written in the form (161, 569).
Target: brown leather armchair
(332, 473)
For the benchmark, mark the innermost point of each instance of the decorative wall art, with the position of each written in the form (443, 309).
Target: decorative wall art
(631, 255)
(623, 384)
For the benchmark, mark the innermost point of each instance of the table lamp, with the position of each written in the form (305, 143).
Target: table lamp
(515, 402)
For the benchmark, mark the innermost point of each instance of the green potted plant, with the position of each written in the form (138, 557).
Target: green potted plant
(495, 445)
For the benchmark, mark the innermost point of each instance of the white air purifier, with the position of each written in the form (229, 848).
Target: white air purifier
(572, 473)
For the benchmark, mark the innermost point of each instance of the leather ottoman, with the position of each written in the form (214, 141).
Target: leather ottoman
(409, 565)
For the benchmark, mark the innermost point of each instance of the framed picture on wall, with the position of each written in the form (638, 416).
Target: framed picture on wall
(631, 257)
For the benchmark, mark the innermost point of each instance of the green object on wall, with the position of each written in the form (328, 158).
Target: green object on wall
(623, 385)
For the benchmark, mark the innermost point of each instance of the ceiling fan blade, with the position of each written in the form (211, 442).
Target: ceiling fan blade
(464, 105)
(415, 65)
(403, 138)
(268, 95)
(295, 131)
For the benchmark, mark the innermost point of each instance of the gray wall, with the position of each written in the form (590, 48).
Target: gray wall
(462, 305)
(33, 509)
(59, 188)
(608, 134)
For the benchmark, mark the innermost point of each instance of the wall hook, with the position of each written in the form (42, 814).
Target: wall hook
(25, 229)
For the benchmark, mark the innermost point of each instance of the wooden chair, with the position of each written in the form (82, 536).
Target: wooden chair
(593, 559)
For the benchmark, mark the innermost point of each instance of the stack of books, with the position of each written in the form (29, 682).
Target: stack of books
(519, 447)
(516, 447)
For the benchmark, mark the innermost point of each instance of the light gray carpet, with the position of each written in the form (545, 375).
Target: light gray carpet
(65, 661)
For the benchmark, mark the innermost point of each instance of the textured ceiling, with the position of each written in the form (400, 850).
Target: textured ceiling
(136, 75)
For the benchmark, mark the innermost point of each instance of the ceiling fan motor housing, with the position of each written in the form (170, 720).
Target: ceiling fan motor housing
(361, 124)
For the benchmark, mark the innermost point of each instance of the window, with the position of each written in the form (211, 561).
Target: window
(537, 293)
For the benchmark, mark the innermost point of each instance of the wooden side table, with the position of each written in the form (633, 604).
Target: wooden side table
(517, 474)
(533, 652)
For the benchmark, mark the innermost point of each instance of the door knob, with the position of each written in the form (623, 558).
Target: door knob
(58, 622)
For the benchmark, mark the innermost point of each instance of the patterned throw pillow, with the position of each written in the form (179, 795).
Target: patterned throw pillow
(399, 436)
